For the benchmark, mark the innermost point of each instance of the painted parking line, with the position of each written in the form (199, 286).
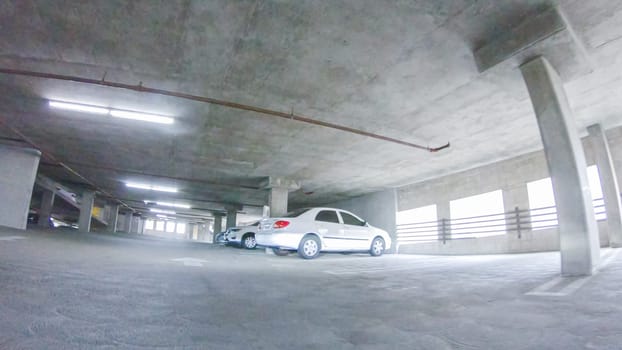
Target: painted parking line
(190, 261)
(564, 286)
(359, 270)
(11, 238)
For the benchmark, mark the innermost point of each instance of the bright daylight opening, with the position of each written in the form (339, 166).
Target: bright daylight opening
(478, 216)
(417, 225)
(170, 226)
(149, 225)
(542, 200)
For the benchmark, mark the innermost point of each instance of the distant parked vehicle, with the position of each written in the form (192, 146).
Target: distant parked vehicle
(312, 230)
(242, 235)
(220, 238)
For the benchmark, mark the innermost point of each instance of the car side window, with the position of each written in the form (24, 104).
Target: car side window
(351, 220)
(327, 216)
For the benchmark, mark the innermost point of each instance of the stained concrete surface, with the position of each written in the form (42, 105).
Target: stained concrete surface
(65, 290)
(402, 69)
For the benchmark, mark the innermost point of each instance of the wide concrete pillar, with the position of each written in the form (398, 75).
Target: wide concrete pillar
(277, 200)
(232, 217)
(278, 193)
(608, 183)
(140, 225)
(47, 203)
(86, 211)
(113, 218)
(579, 244)
(217, 225)
(127, 222)
(18, 170)
(189, 230)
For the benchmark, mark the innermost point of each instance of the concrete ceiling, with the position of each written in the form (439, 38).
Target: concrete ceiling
(403, 69)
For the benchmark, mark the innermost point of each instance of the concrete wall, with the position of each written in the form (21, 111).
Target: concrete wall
(377, 208)
(511, 176)
(18, 169)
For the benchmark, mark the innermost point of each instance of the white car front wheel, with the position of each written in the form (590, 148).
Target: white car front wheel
(377, 247)
(309, 247)
(249, 242)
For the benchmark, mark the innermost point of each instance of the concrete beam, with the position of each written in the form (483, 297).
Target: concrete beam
(60, 190)
(547, 34)
(579, 243)
(271, 182)
(608, 182)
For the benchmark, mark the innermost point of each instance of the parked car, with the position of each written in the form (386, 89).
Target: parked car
(242, 235)
(312, 230)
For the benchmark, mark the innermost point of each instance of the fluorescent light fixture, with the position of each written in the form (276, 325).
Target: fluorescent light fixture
(151, 187)
(162, 211)
(162, 216)
(142, 117)
(173, 205)
(117, 113)
(79, 107)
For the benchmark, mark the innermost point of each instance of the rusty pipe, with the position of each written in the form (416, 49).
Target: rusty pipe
(291, 116)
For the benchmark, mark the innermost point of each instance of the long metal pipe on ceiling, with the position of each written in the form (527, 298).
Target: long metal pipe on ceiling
(291, 116)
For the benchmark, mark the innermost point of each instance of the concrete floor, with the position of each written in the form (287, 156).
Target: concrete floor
(64, 290)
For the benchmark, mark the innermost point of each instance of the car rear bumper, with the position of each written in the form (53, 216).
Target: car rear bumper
(279, 240)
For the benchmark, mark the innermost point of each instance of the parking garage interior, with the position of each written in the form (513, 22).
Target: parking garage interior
(483, 136)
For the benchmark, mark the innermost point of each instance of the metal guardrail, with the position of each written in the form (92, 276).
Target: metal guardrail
(515, 222)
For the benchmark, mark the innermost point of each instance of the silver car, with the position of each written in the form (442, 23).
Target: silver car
(312, 230)
(242, 235)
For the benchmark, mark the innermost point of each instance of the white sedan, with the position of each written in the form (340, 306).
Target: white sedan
(312, 230)
(242, 235)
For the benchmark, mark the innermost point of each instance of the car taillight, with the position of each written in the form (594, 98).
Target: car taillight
(280, 224)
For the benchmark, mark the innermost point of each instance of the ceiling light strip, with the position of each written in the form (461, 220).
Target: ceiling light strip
(151, 187)
(291, 116)
(117, 113)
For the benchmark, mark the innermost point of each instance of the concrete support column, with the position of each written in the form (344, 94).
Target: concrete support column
(18, 170)
(140, 227)
(86, 211)
(47, 203)
(232, 217)
(127, 222)
(217, 225)
(189, 230)
(136, 222)
(113, 218)
(608, 182)
(579, 243)
(203, 232)
(278, 193)
(277, 200)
